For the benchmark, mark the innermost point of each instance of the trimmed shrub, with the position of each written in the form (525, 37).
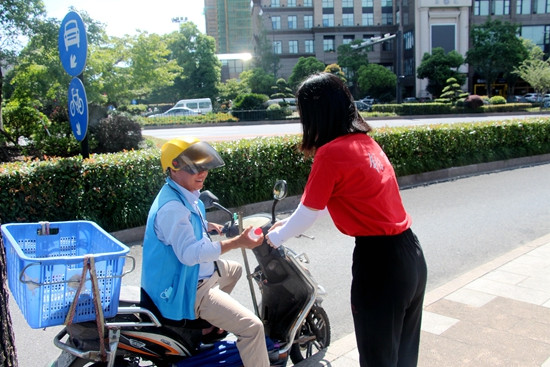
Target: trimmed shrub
(497, 100)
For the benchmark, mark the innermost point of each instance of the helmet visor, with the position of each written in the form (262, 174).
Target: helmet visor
(197, 158)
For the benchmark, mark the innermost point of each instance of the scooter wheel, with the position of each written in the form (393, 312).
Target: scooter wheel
(313, 336)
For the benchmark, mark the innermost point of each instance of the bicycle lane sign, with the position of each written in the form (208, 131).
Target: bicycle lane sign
(78, 109)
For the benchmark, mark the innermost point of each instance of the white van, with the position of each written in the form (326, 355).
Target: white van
(201, 105)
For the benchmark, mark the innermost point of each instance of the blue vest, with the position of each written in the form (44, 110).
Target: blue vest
(171, 285)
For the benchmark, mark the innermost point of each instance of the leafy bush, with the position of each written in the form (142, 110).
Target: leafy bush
(115, 133)
(116, 190)
(249, 101)
(497, 100)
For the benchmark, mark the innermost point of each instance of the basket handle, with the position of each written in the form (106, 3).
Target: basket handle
(28, 280)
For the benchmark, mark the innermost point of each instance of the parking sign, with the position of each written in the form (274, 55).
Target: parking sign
(73, 44)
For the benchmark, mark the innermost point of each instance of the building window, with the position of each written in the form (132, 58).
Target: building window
(347, 19)
(348, 39)
(408, 67)
(538, 34)
(277, 47)
(481, 7)
(308, 21)
(408, 40)
(276, 22)
(291, 3)
(387, 3)
(292, 23)
(309, 46)
(523, 7)
(501, 7)
(347, 3)
(328, 3)
(387, 18)
(367, 3)
(367, 19)
(542, 6)
(444, 35)
(328, 20)
(292, 47)
(275, 3)
(308, 2)
(328, 44)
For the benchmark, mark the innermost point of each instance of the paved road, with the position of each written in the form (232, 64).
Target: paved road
(461, 224)
(221, 133)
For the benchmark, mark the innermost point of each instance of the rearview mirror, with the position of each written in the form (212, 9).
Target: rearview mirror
(208, 199)
(280, 190)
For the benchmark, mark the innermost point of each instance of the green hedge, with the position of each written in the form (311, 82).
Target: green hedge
(116, 190)
(411, 109)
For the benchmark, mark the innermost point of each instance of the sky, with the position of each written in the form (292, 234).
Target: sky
(125, 16)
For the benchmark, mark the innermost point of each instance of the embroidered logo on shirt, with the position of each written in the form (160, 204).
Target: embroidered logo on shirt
(376, 163)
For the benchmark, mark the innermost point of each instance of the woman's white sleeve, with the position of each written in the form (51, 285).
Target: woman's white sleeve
(302, 218)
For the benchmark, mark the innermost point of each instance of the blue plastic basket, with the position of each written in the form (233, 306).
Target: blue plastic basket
(44, 267)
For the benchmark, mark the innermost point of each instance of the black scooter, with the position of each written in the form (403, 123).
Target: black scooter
(295, 323)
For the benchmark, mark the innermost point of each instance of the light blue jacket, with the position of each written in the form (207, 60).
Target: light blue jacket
(171, 285)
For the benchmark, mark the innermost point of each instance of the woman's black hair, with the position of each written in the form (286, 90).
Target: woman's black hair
(326, 111)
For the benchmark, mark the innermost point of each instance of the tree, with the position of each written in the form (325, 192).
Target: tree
(229, 90)
(377, 80)
(536, 72)
(258, 80)
(264, 57)
(195, 52)
(452, 92)
(438, 67)
(351, 61)
(496, 50)
(150, 67)
(336, 70)
(17, 19)
(281, 90)
(305, 67)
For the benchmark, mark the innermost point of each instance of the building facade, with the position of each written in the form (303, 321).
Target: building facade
(304, 28)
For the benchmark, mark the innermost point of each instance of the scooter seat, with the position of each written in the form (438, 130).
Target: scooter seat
(147, 302)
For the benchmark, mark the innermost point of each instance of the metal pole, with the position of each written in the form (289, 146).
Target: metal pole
(247, 269)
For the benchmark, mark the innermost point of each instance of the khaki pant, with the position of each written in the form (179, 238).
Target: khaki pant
(215, 305)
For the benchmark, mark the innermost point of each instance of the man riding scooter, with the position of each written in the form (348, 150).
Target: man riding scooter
(182, 273)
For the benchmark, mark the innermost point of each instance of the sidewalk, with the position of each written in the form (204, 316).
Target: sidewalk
(495, 315)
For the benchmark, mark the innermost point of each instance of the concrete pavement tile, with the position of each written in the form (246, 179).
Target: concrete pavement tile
(498, 347)
(489, 315)
(470, 297)
(523, 310)
(509, 291)
(435, 323)
(438, 351)
(505, 277)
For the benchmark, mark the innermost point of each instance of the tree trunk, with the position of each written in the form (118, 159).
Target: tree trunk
(8, 355)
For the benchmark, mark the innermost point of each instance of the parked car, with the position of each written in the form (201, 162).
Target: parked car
(410, 100)
(362, 106)
(177, 111)
(532, 97)
(546, 101)
(369, 101)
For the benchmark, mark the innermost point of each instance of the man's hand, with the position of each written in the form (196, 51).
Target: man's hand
(241, 241)
(214, 227)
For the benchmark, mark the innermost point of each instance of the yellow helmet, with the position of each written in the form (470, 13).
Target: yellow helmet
(190, 154)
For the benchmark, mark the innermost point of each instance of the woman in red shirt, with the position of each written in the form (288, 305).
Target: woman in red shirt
(352, 178)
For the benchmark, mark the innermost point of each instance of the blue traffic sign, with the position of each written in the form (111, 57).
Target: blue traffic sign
(78, 109)
(73, 44)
